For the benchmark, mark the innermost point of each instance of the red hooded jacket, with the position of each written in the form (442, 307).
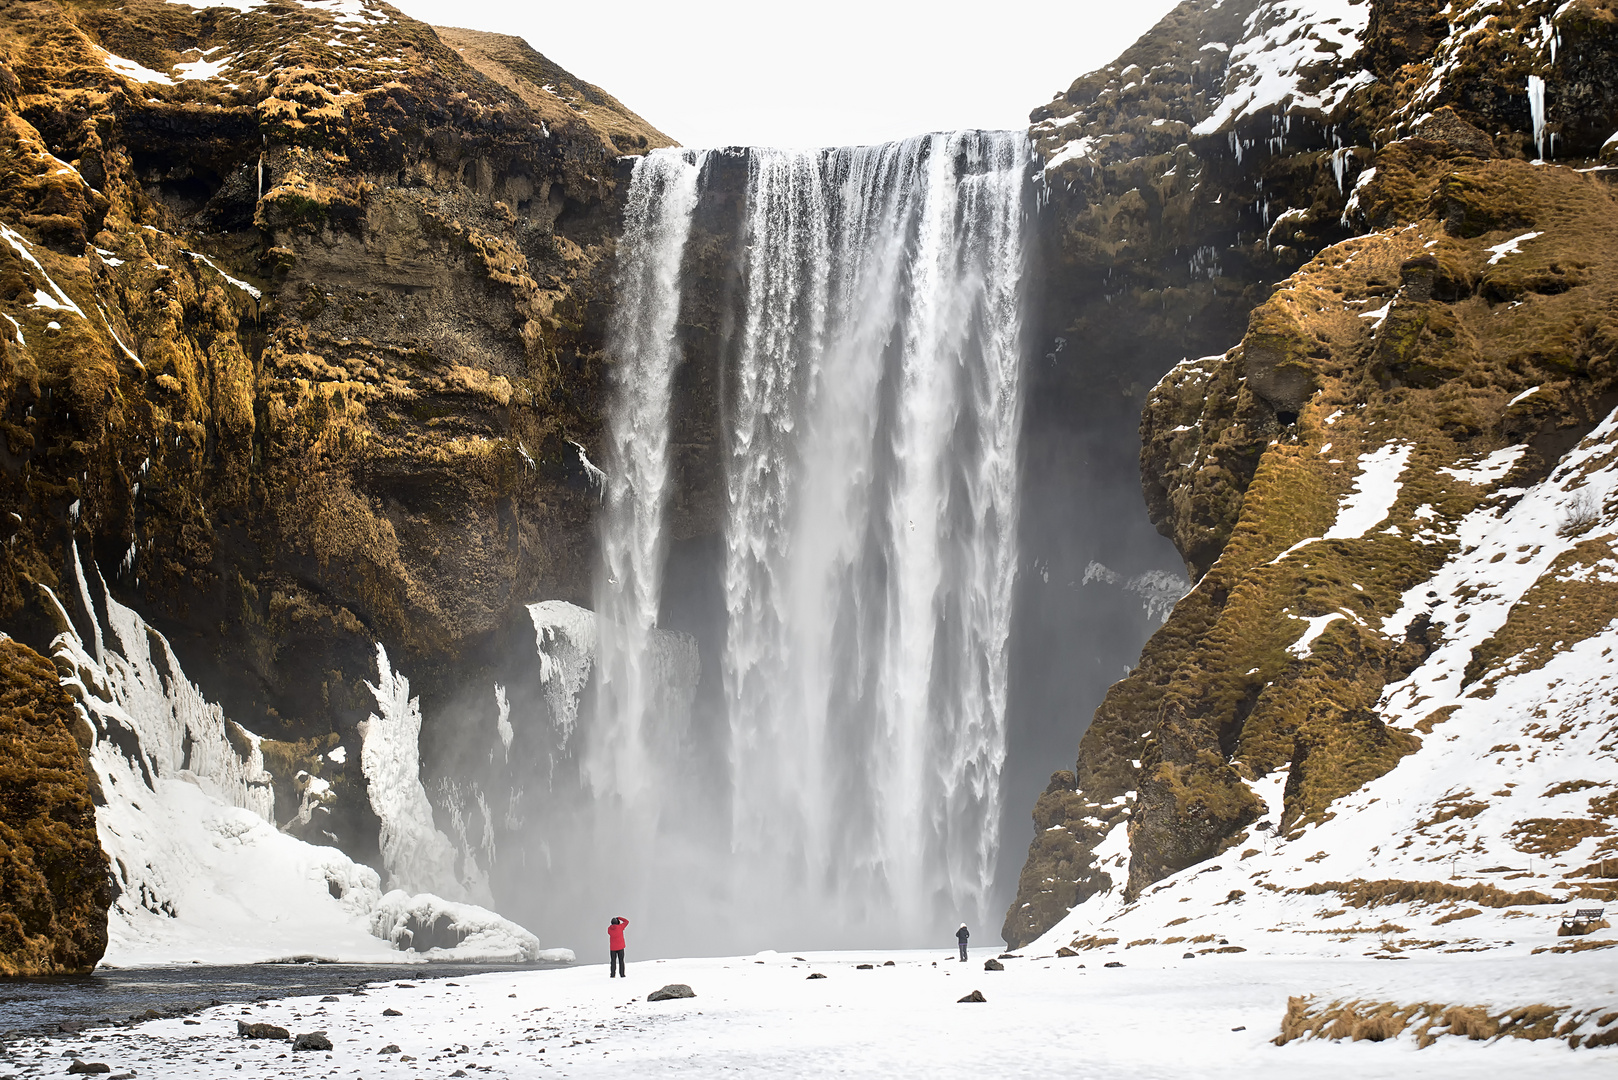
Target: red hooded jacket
(615, 934)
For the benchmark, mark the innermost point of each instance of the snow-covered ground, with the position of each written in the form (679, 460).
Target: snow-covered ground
(1158, 1016)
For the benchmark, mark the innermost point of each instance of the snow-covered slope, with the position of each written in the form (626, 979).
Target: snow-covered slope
(185, 813)
(1384, 718)
(1487, 837)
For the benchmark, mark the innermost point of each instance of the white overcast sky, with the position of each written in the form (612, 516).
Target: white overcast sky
(832, 72)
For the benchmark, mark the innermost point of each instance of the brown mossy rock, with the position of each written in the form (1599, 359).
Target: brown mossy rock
(1191, 798)
(53, 874)
(1411, 351)
(343, 312)
(1061, 871)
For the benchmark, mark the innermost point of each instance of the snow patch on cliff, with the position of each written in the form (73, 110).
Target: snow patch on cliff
(1284, 47)
(1376, 489)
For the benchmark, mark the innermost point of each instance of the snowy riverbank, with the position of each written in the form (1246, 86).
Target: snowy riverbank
(1214, 1017)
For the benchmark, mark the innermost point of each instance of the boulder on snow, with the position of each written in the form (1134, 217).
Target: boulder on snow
(313, 1040)
(391, 1012)
(976, 995)
(671, 991)
(391, 1048)
(864, 967)
(1064, 951)
(993, 965)
(88, 1067)
(818, 975)
(261, 1031)
(1113, 963)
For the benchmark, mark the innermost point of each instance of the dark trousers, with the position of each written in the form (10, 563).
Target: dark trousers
(963, 950)
(615, 964)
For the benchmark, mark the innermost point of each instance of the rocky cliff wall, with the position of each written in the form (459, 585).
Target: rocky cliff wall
(304, 308)
(53, 873)
(1404, 357)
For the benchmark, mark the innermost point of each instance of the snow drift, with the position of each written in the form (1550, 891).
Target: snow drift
(185, 812)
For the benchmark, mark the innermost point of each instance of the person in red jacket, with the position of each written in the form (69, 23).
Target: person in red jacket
(615, 945)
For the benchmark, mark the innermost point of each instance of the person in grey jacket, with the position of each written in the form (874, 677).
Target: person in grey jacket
(961, 935)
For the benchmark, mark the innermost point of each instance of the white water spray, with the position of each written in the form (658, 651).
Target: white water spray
(657, 223)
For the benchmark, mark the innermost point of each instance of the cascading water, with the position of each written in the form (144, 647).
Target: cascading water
(871, 414)
(657, 223)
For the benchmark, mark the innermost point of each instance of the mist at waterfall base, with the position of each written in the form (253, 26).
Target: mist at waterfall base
(786, 723)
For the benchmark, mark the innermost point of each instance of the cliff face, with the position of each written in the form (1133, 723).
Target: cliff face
(53, 874)
(1394, 394)
(303, 338)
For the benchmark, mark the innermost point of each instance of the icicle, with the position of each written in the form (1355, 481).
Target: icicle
(1536, 108)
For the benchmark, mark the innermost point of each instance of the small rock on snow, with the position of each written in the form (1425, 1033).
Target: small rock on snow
(976, 995)
(261, 1031)
(88, 1067)
(313, 1040)
(1113, 963)
(671, 991)
(818, 975)
(993, 965)
(391, 1012)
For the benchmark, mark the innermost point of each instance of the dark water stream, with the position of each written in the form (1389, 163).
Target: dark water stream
(72, 1002)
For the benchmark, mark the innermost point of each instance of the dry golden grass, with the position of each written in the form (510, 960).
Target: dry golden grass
(1455, 916)
(1376, 1021)
(1552, 836)
(1093, 942)
(1581, 945)
(1360, 893)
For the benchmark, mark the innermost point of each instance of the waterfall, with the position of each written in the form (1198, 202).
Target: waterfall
(657, 223)
(871, 415)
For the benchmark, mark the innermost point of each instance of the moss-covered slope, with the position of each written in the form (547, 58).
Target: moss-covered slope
(1401, 357)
